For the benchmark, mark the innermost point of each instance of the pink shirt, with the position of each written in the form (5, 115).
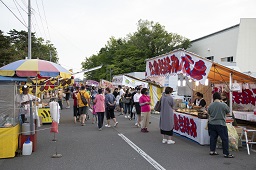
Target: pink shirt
(143, 99)
(99, 103)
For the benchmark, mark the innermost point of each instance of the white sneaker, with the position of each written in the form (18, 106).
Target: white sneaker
(164, 140)
(107, 125)
(128, 117)
(136, 124)
(115, 124)
(170, 142)
(125, 116)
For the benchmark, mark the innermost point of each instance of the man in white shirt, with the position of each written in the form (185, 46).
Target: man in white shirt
(121, 104)
(23, 101)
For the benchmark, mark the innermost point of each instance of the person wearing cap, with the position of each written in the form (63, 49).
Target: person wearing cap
(23, 101)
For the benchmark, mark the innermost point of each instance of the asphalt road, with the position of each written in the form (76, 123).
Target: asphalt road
(120, 148)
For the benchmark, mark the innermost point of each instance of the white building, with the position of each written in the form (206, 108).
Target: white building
(234, 46)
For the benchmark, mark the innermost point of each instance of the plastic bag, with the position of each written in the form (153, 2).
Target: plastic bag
(133, 109)
(54, 127)
(232, 138)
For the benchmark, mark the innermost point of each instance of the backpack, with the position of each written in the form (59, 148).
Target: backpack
(83, 99)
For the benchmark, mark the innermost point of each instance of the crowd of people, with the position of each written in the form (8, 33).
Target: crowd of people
(134, 104)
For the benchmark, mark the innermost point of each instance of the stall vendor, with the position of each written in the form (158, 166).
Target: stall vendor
(199, 102)
(23, 101)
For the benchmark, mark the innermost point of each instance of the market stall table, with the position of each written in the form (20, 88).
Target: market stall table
(9, 141)
(192, 127)
(242, 115)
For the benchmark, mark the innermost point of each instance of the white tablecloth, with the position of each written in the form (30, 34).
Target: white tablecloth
(191, 127)
(248, 116)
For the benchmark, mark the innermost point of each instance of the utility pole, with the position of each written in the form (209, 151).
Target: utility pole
(29, 30)
(110, 74)
(50, 56)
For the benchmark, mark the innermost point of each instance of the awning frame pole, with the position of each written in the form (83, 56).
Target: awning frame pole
(230, 92)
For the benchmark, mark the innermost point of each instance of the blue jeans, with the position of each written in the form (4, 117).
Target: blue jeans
(127, 108)
(100, 119)
(214, 132)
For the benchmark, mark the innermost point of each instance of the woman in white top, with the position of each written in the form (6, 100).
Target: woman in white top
(136, 98)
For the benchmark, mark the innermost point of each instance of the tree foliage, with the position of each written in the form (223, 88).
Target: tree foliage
(14, 46)
(124, 55)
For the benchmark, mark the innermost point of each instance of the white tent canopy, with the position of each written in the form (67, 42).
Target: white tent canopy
(127, 81)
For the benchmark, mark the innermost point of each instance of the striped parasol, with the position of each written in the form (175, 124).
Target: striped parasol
(33, 68)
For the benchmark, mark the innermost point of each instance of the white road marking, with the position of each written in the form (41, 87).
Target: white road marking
(142, 153)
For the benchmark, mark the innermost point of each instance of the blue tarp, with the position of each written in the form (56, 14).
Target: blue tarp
(2, 78)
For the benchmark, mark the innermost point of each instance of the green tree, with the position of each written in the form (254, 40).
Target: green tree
(14, 47)
(5, 50)
(124, 55)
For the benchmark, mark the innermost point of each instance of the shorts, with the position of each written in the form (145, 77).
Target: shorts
(168, 133)
(83, 110)
(137, 107)
(75, 111)
(110, 114)
(121, 104)
(67, 97)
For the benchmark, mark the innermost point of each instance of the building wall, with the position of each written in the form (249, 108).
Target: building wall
(246, 45)
(238, 41)
(219, 45)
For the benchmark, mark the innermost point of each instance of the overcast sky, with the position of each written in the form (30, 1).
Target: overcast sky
(79, 28)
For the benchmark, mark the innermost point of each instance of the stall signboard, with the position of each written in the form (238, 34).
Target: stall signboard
(127, 81)
(105, 84)
(191, 127)
(178, 62)
(245, 99)
(92, 83)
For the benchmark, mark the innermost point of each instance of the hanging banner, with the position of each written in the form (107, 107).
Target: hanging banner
(127, 81)
(178, 62)
(117, 80)
(105, 84)
(92, 83)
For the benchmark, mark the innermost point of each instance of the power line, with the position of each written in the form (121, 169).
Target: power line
(24, 3)
(46, 21)
(13, 14)
(21, 7)
(41, 19)
(19, 10)
(37, 25)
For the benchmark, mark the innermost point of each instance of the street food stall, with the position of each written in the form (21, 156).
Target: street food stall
(9, 124)
(28, 68)
(205, 76)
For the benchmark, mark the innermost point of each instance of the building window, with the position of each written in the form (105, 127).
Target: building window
(210, 58)
(227, 59)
